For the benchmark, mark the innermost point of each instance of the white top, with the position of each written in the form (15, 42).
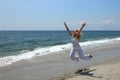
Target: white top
(75, 42)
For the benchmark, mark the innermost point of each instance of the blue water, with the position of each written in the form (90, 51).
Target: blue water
(13, 42)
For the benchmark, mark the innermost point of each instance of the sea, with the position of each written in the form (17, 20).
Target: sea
(23, 45)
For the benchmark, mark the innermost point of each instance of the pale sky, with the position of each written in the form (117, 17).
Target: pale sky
(51, 14)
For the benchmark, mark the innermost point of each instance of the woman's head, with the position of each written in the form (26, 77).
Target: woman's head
(76, 33)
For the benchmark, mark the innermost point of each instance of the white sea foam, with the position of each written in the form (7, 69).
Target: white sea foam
(47, 50)
(101, 42)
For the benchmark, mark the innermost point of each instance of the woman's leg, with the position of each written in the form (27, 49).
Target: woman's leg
(82, 55)
(72, 55)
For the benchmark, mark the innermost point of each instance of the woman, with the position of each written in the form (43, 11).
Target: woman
(76, 47)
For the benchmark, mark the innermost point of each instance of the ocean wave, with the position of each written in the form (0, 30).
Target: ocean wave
(105, 41)
(26, 54)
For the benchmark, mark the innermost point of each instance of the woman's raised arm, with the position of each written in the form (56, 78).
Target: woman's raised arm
(83, 25)
(67, 29)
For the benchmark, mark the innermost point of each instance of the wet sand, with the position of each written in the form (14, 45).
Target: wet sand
(57, 66)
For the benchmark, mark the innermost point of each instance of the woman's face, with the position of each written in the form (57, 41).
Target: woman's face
(76, 34)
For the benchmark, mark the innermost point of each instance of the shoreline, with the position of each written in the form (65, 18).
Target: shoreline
(87, 46)
(52, 66)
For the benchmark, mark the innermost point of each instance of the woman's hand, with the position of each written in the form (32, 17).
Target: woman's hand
(83, 24)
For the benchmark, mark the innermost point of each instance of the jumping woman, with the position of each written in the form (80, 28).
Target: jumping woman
(75, 36)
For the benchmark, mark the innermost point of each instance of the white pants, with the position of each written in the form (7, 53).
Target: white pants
(81, 55)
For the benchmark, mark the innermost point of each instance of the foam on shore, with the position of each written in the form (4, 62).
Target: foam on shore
(47, 50)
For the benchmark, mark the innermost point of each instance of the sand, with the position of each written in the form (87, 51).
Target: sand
(109, 70)
(58, 66)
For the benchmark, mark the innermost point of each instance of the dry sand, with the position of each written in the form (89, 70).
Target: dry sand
(109, 70)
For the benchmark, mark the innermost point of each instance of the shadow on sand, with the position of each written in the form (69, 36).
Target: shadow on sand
(87, 72)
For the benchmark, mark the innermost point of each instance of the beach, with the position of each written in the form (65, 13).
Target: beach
(59, 40)
(44, 55)
(109, 70)
(60, 67)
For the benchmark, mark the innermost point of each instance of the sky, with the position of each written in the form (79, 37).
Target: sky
(51, 14)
